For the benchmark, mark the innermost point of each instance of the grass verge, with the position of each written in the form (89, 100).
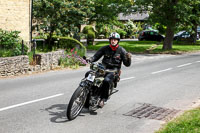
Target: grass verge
(140, 47)
(188, 122)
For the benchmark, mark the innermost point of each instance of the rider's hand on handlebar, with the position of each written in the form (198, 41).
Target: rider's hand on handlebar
(88, 60)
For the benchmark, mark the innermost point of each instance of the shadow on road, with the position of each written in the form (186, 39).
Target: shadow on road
(57, 113)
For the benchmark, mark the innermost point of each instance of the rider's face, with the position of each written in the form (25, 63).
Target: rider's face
(113, 42)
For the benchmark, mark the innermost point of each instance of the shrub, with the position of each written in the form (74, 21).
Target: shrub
(8, 39)
(73, 59)
(10, 44)
(5, 53)
(91, 35)
(70, 43)
(129, 28)
(90, 32)
(105, 29)
(121, 32)
(88, 28)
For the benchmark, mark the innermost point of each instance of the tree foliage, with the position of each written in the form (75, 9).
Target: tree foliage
(172, 14)
(66, 16)
(107, 10)
(62, 16)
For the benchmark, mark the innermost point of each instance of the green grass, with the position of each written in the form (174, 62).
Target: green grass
(189, 122)
(151, 47)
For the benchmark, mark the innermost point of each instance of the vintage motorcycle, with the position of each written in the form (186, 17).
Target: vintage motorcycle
(89, 90)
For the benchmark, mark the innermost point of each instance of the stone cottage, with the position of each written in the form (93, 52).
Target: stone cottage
(16, 15)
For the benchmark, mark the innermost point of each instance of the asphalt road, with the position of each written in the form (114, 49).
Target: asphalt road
(37, 103)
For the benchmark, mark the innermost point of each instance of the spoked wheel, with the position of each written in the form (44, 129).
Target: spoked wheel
(76, 103)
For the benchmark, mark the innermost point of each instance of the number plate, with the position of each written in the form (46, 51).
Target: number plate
(91, 77)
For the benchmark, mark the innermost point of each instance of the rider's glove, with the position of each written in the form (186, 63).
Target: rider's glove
(88, 60)
(128, 55)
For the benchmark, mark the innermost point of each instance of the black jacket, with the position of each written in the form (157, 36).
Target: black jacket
(112, 59)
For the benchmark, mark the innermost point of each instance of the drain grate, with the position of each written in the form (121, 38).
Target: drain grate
(152, 112)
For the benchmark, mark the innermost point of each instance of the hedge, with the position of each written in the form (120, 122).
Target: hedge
(69, 43)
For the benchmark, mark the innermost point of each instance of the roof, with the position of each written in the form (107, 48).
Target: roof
(133, 16)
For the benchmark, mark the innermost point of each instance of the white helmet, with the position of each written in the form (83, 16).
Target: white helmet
(114, 35)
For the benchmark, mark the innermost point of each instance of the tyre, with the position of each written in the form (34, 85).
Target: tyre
(76, 103)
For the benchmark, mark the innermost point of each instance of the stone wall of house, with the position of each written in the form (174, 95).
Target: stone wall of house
(16, 15)
(19, 65)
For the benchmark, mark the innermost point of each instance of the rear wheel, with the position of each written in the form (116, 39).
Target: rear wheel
(76, 103)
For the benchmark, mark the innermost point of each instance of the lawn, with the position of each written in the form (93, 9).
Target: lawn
(151, 47)
(189, 122)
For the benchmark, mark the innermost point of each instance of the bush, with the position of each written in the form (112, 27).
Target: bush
(91, 35)
(105, 29)
(90, 32)
(5, 53)
(8, 39)
(73, 59)
(121, 32)
(70, 43)
(10, 44)
(88, 28)
(130, 27)
(18, 50)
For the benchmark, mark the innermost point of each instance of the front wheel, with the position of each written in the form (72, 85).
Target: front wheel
(76, 103)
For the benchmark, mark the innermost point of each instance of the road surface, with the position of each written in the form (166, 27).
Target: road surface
(37, 103)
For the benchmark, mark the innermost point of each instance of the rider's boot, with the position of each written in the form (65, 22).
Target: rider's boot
(102, 102)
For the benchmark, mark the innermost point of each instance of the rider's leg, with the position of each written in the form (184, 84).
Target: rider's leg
(109, 78)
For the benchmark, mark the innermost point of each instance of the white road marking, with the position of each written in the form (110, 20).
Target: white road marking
(29, 102)
(198, 61)
(127, 78)
(187, 64)
(161, 71)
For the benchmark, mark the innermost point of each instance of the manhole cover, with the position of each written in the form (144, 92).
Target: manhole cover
(152, 112)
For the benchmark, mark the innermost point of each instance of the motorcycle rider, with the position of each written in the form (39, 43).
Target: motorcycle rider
(113, 56)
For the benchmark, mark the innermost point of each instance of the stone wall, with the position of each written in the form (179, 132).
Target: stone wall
(16, 15)
(13, 66)
(19, 65)
(48, 61)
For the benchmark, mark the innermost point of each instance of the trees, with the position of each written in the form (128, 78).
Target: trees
(193, 18)
(106, 13)
(65, 16)
(172, 14)
(108, 10)
(62, 16)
